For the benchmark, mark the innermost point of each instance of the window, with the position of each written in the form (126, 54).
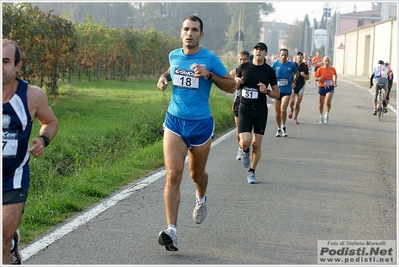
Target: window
(360, 22)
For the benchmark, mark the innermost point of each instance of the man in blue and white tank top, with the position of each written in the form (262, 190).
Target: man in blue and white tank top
(189, 123)
(21, 104)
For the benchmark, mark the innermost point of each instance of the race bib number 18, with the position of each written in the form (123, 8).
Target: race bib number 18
(185, 79)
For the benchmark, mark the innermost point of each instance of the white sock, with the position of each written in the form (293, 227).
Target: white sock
(200, 199)
(12, 244)
(173, 227)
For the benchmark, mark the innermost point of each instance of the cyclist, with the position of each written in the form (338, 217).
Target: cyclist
(390, 83)
(380, 76)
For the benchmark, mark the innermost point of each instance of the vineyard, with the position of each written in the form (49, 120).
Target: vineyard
(55, 48)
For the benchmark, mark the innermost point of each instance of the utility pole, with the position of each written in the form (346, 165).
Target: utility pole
(305, 43)
(327, 14)
(240, 28)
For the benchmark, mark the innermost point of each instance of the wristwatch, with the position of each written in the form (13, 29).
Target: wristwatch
(210, 76)
(268, 92)
(46, 140)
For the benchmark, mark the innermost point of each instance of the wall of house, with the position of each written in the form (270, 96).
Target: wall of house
(358, 51)
(347, 24)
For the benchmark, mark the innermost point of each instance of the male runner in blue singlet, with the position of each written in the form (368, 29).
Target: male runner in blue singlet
(287, 75)
(189, 123)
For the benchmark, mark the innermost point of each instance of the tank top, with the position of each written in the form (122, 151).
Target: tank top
(17, 127)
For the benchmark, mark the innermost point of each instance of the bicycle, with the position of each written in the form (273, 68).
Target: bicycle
(380, 102)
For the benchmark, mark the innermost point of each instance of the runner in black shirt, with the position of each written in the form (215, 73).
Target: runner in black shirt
(299, 90)
(253, 78)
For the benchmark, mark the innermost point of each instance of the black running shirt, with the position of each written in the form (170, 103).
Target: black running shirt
(252, 75)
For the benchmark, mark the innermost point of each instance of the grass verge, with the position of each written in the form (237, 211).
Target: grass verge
(109, 135)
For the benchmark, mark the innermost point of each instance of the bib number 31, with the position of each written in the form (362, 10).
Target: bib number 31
(250, 93)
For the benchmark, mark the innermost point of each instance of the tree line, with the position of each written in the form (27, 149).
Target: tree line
(137, 44)
(220, 19)
(56, 48)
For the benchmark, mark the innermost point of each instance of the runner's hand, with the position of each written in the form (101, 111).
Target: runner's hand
(162, 83)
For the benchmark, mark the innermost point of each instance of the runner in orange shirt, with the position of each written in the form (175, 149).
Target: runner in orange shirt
(317, 62)
(326, 76)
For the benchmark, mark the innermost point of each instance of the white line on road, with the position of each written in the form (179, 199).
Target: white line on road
(47, 240)
(371, 92)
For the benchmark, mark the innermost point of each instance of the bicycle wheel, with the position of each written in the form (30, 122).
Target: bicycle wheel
(379, 107)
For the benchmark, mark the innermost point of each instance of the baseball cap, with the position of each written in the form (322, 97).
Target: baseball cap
(261, 45)
(380, 62)
(386, 63)
(299, 53)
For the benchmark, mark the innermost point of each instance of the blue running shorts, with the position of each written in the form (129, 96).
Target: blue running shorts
(193, 132)
(324, 90)
(282, 95)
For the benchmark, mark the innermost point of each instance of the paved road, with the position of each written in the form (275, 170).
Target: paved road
(334, 181)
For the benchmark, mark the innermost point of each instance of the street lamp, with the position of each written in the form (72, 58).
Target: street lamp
(327, 14)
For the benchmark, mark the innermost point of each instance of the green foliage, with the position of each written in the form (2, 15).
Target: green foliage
(252, 24)
(54, 47)
(109, 136)
(220, 18)
(47, 41)
(117, 40)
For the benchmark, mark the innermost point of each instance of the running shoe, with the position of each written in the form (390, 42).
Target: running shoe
(251, 178)
(296, 121)
(199, 213)
(326, 118)
(278, 134)
(15, 255)
(239, 154)
(168, 239)
(285, 133)
(290, 114)
(245, 159)
(385, 110)
(321, 120)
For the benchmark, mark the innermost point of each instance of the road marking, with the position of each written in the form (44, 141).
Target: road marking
(371, 92)
(47, 240)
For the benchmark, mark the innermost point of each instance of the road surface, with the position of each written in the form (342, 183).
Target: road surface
(333, 181)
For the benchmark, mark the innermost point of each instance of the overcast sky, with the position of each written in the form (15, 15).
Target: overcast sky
(290, 11)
